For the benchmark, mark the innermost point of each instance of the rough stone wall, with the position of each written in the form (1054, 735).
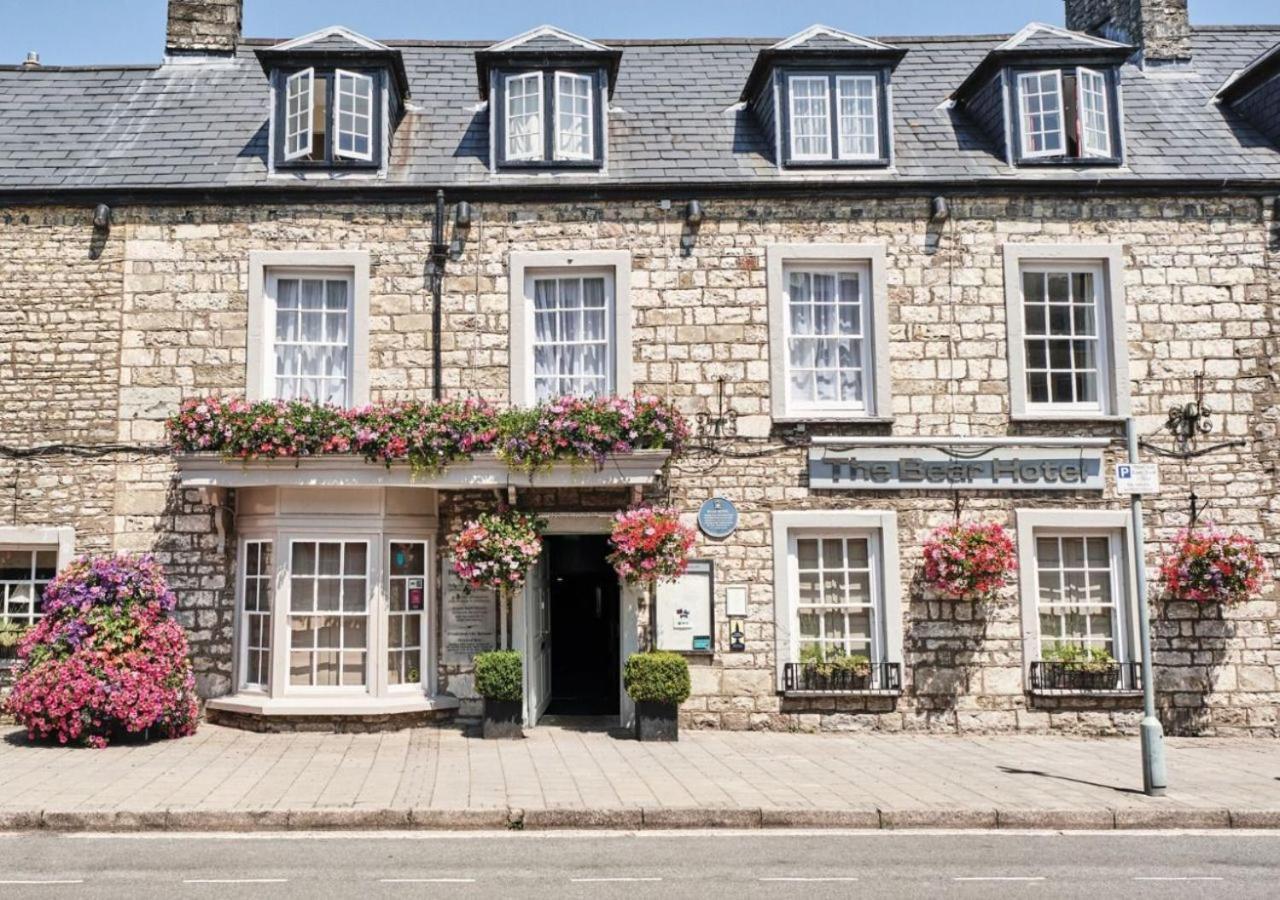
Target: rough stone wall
(170, 287)
(203, 26)
(1161, 29)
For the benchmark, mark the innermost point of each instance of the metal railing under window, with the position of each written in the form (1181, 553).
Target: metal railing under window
(830, 679)
(1063, 676)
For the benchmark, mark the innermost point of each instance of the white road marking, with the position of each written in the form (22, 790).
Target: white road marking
(235, 881)
(34, 882)
(1176, 878)
(598, 880)
(999, 878)
(427, 880)
(810, 878)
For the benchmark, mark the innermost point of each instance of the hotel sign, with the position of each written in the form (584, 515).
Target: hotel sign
(938, 466)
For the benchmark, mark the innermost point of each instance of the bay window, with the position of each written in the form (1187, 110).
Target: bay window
(25, 571)
(256, 590)
(328, 613)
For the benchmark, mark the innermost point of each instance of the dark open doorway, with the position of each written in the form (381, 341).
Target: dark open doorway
(584, 626)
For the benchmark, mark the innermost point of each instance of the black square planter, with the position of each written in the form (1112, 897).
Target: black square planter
(502, 719)
(657, 721)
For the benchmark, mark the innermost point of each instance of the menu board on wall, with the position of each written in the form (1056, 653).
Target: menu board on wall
(469, 621)
(685, 621)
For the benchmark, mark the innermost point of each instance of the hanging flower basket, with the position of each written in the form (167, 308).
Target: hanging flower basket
(497, 550)
(650, 545)
(969, 560)
(1209, 565)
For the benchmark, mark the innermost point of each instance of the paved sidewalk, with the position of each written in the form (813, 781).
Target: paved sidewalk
(440, 777)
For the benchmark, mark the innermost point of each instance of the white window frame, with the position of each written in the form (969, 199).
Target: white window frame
(577, 77)
(875, 116)
(292, 135)
(538, 142)
(260, 356)
(875, 608)
(1115, 570)
(532, 277)
(243, 615)
(425, 622)
(357, 80)
(1104, 149)
(274, 276)
(882, 527)
(791, 117)
(1043, 522)
(863, 271)
(877, 399)
(1103, 386)
(26, 538)
(523, 268)
(285, 609)
(1113, 384)
(1024, 114)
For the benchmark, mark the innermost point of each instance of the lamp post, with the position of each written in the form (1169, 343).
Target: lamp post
(1154, 777)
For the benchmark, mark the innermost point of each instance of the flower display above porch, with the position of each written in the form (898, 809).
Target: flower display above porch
(570, 442)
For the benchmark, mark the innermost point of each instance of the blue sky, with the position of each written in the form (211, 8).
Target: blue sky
(70, 32)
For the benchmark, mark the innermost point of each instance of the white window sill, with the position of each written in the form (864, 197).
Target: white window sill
(1064, 416)
(820, 418)
(262, 705)
(867, 692)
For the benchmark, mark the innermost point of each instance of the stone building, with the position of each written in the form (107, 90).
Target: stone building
(891, 282)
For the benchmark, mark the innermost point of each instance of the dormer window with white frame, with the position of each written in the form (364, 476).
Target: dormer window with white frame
(834, 118)
(1065, 114)
(548, 118)
(328, 118)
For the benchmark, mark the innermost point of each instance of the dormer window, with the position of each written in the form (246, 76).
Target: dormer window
(330, 118)
(549, 118)
(1064, 114)
(854, 129)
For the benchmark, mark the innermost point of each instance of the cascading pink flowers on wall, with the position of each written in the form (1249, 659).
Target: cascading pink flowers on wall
(1209, 565)
(969, 560)
(650, 545)
(107, 658)
(497, 550)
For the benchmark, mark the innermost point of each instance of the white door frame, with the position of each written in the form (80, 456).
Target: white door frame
(628, 620)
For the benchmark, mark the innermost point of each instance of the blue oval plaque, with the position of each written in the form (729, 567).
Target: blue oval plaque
(717, 517)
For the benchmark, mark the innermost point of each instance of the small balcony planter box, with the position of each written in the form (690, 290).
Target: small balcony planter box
(658, 682)
(499, 680)
(860, 676)
(1094, 677)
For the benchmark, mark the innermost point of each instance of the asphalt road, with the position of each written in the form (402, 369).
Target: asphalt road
(703, 864)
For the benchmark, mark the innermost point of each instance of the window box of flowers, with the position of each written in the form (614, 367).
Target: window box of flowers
(969, 561)
(1209, 565)
(658, 682)
(448, 444)
(107, 659)
(500, 681)
(1078, 669)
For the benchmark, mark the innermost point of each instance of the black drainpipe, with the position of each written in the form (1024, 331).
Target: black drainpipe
(435, 269)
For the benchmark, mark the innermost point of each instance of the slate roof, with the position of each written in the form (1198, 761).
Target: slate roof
(675, 118)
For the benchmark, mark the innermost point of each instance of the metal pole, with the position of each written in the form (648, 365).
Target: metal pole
(1154, 777)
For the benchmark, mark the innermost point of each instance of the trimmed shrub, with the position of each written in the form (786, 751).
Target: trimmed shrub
(657, 677)
(499, 675)
(107, 659)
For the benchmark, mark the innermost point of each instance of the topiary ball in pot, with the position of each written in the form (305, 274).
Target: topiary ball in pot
(107, 659)
(500, 681)
(658, 682)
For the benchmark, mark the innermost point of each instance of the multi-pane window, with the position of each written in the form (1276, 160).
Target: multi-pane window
(329, 613)
(406, 610)
(573, 116)
(836, 596)
(1076, 580)
(572, 335)
(826, 337)
(311, 337)
(859, 120)
(299, 115)
(1063, 323)
(255, 613)
(1095, 120)
(354, 99)
(24, 574)
(1040, 95)
(524, 116)
(810, 117)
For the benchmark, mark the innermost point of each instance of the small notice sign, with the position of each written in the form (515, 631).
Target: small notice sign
(1137, 478)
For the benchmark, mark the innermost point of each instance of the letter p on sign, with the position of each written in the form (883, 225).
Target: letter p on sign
(1137, 478)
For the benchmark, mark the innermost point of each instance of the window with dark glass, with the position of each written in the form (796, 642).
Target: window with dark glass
(1065, 114)
(328, 118)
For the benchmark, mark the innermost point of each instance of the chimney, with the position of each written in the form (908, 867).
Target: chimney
(203, 27)
(1160, 29)
(32, 61)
